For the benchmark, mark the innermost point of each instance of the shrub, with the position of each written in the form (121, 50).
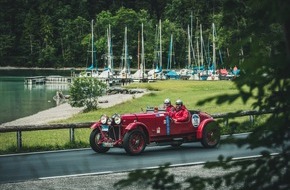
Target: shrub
(84, 92)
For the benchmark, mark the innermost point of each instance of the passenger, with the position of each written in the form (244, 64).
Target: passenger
(181, 114)
(168, 106)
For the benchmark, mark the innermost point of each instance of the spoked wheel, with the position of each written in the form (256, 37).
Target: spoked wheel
(210, 135)
(95, 141)
(134, 142)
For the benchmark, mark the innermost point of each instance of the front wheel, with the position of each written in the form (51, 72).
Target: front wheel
(210, 135)
(95, 141)
(134, 142)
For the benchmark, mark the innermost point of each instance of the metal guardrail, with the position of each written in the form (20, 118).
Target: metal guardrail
(73, 126)
(251, 114)
(20, 129)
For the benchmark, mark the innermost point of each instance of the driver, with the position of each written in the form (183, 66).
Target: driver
(181, 114)
(168, 106)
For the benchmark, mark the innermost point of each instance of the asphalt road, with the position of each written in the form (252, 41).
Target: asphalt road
(85, 162)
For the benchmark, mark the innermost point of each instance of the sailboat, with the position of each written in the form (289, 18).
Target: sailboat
(171, 74)
(213, 72)
(140, 75)
(107, 74)
(157, 73)
(212, 69)
(91, 71)
(201, 68)
(124, 74)
(186, 73)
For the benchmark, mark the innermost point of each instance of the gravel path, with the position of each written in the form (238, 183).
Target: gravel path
(65, 111)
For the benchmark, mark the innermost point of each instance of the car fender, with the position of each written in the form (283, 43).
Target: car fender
(95, 125)
(201, 126)
(136, 125)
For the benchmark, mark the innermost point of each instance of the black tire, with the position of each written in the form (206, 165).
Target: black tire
(211, 135)
(134, 142)
(94, 138)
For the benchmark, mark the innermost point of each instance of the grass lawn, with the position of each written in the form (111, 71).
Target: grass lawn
(190, 92)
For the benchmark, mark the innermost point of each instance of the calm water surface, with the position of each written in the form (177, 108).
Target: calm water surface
(18, 100)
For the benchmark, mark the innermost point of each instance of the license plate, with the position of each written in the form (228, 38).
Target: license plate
(105, 127)
(107, 144)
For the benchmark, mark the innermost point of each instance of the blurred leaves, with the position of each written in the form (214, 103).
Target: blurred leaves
(157, 179)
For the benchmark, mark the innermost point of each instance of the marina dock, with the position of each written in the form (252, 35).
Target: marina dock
(53, 79)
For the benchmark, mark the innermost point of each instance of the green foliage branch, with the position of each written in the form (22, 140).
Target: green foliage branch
(157, 179)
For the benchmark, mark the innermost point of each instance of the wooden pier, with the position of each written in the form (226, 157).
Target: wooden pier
(53, 79)
(34, 80)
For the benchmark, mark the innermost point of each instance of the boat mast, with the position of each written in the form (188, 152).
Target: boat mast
(197, 46)
(92, 26)
(160, 45)
(201, 46)
(126, 51)
(197, 52)
(170, 52)
(191, 40)
(213, 48)
(191, 25)
(189, 51)
(138, 51)
(142, 66)
(109, 48)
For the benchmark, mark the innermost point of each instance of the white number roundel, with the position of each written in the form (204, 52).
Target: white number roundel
(195, 120)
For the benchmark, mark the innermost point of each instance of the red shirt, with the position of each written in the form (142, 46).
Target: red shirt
(170, 108)
(181, 115)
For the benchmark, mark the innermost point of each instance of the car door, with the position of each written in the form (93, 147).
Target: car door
(176, 128)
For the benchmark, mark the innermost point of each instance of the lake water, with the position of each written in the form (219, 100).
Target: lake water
(18, 100)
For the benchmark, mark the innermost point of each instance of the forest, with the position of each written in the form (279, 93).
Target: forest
(55, 34)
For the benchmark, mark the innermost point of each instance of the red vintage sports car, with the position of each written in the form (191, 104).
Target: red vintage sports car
(134, 132)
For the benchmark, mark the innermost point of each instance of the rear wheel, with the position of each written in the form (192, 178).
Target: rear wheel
(210, 135)
(96, 141)
(134, 142)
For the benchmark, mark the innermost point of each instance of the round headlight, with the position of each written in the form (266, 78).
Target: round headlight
(109, 121)
(117, 119)
(104, 119)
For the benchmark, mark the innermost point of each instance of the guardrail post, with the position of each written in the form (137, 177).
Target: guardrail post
(19, 140)
(72, 134)
(226, 121)
(252, 120)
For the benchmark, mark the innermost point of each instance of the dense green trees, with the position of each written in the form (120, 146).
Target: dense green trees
(55, 33)
(37, 30)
